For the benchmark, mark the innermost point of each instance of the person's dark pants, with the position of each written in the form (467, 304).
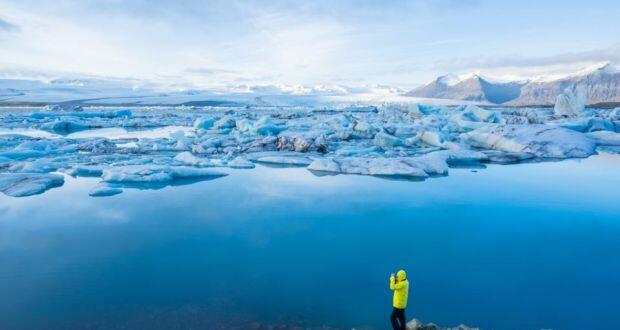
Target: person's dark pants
(398, 319)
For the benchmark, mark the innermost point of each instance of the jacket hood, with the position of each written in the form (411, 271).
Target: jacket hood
(401, 275)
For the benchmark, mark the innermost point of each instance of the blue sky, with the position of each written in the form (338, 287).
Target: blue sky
(218, 43)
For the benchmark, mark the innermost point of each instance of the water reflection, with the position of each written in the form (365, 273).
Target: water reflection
(500, 248)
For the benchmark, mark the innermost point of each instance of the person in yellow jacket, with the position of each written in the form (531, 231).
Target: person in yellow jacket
(400, 285)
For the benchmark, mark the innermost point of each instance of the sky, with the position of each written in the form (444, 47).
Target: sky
(200, 44)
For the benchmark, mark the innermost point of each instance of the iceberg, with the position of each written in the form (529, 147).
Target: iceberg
(203, 123)
(240, 163)
(473, 117)
(225, 122)
(155, 173)
(436, 139)
(188, 158)
(393, 167)
(386, 140)
(28, 184)
(571, 102)
(85, 171)
(63, 126)
(391, 140)
(540, 140)
(605, 138)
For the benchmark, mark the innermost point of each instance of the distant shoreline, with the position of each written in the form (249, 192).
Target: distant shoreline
(603, 105)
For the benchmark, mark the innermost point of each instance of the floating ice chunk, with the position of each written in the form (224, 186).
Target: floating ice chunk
(244, 125)
(368, 166)
(387, 140)
(285, 160)
(474, 117)
(240, 162)
(605, 138)
(436, 139)
(27, 184)
(63, 126)
(265, 126)
(572, 102)
(188, 158)
(225, 122)
(85, 171)
(476, 113)
(540, 140)
(364, 127)
(104, 190)
(203, 123)
(303, 141)
(155, 173)
(183, 141)
(37, 166)
(589, 125)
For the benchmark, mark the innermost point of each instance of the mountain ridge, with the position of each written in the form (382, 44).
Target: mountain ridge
(602, 86)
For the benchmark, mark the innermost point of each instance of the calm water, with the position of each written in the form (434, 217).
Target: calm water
(508, 247)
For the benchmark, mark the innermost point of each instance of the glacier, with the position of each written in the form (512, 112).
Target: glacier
(164, 145)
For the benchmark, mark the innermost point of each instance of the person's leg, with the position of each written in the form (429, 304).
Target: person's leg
(402, 319)
(394, 319)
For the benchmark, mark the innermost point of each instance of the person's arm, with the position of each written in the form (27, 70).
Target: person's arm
(396, 285)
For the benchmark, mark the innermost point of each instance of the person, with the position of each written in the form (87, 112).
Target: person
(400, 285)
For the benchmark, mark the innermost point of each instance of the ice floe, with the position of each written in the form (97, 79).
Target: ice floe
(125, 148)
(540, 140)
(27, 184)
(155, 173)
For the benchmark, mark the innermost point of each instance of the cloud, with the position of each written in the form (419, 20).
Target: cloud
(209, 71)
(610, 54)
(8, 26)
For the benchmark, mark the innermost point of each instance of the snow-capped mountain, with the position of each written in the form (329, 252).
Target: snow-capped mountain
(472, 88)
(602, 86)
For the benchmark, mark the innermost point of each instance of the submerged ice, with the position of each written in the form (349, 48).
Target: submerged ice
(165, 145)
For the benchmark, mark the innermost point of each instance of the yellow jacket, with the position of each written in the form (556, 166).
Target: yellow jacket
(400, 286)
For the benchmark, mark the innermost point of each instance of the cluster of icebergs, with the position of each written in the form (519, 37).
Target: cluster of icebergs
(39, 146)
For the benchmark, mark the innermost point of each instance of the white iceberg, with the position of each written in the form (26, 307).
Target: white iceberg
(571, 102)
(394, 167)
(540, 140)
(240, 163)
(188, 158)
(155, 173)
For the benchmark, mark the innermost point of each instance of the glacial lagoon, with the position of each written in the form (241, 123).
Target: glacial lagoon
(213, 217)
(507, 246)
